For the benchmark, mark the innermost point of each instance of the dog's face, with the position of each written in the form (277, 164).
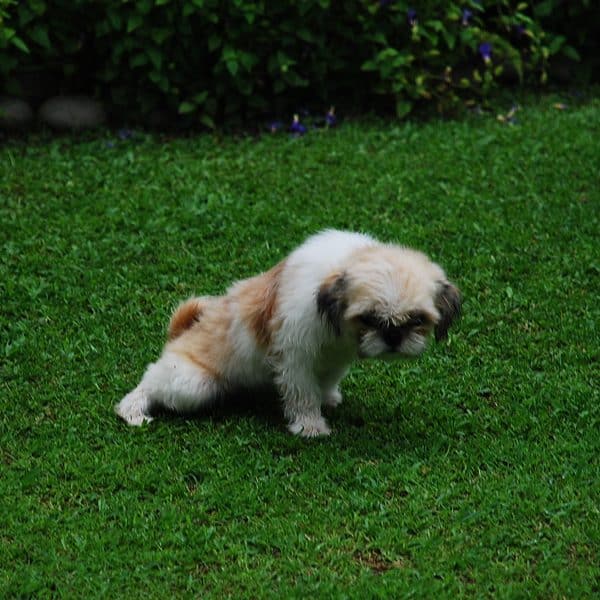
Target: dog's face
(379, 337)
(389, 300)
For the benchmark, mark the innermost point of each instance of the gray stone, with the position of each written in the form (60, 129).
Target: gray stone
(15, 114)
(72, 112)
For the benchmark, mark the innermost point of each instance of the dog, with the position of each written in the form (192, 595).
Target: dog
(338, 297)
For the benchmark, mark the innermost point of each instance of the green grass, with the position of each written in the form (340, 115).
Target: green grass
(473, 471)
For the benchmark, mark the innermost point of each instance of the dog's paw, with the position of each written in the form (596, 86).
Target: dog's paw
(309, 427)
(133, 409)
(333, 398)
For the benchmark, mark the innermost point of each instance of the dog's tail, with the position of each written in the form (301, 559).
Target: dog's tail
(185, 315)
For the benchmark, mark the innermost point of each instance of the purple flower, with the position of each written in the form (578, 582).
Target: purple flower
(519, 30)
(485, 49)
(411, 15)
(330, 118)
(296, 127)
(466, 17)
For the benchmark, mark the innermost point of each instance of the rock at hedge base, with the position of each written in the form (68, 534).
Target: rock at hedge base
(15, 114)
(72, 113)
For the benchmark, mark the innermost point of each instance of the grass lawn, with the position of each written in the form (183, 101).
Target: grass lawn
(473, 471)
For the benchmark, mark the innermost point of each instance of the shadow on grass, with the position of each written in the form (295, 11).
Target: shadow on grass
(398, 427)
(263, 404)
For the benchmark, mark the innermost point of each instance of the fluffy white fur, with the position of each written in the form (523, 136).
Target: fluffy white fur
(338, 297)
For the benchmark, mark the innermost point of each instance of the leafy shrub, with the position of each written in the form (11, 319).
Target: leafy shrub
(47, 43)
(448, 51)
(578, 24)
(219, 61)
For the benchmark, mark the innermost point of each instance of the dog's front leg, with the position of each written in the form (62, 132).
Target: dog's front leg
(302, 396)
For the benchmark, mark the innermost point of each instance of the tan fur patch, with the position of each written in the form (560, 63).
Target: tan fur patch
(207, 343)
(257, 298)
(203, 365)
(401, 268)
(185, 316)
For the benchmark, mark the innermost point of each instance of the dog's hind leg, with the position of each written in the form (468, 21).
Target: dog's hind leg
(134, 409)
(174, 383)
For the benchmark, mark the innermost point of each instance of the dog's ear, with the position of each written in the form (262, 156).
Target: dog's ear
(331, 300)
(448, 302)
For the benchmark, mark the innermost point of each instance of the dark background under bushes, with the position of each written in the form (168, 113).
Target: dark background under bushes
(211, 62)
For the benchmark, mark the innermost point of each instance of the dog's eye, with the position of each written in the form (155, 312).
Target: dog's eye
(369, 320)
(417, 320)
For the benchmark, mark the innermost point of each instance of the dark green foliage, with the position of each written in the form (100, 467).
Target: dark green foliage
(471, 472)
(576, 26)
(216, 61)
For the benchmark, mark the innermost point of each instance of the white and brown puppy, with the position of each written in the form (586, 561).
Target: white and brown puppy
(338, 297)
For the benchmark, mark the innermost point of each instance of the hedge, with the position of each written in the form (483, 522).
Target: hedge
(232, 61)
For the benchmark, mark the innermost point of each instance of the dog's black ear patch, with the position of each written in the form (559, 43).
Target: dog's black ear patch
(448, 302)
(331, 300)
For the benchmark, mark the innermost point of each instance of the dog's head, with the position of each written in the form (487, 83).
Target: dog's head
(390, 300)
